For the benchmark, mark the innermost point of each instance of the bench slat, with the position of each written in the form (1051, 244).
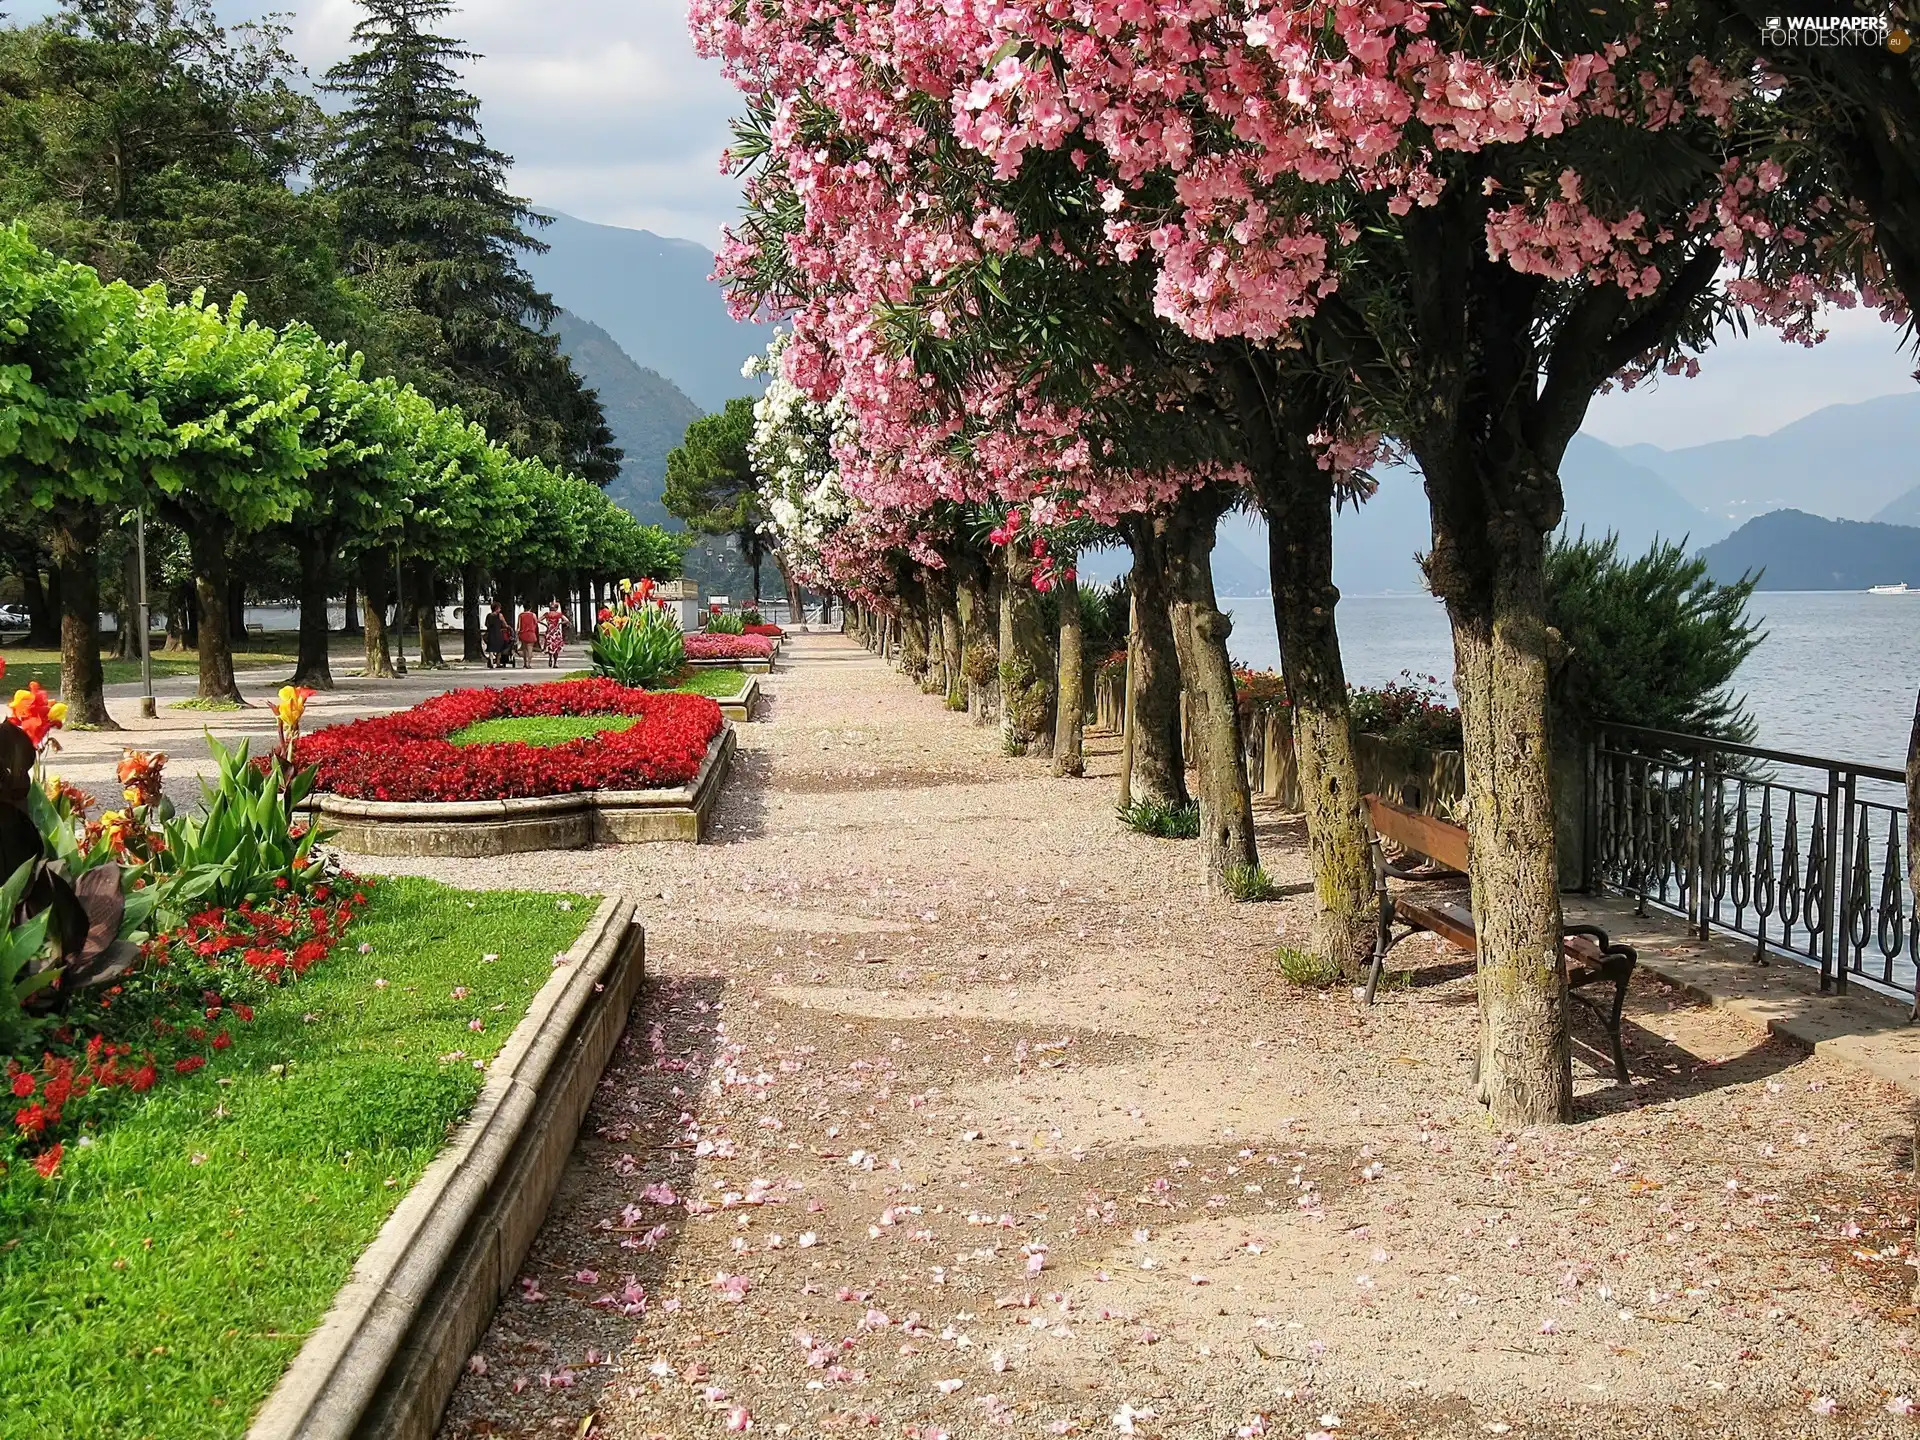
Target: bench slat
(1437, 839)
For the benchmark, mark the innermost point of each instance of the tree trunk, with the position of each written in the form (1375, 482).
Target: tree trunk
(212, 581)
(76, 543)
(912, 600)
(753, 563)
(236, 610)
(314, 667)
(471, 648)
(1492, 573)
(350, 612)
(1070, 710)
(940, 588)
(796, 602)
(1027, 664)
(979, 649)
(426, 586)
(43, 609)
(126, 641)
(374, 590)
(1159, 769)
(1201, 631)
(1299, 511)
(177, 619)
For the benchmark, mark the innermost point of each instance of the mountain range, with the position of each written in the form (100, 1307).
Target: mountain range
(650, 331)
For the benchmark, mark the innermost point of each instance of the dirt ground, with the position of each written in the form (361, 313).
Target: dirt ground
(951, 1109)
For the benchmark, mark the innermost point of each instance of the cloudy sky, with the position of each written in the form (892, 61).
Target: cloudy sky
(613, 118)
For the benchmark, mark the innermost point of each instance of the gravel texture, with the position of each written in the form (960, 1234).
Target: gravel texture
(952, 1108)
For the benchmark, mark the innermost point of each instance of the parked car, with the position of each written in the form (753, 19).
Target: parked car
(15, 617)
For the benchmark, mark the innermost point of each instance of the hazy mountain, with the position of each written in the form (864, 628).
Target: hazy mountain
(1849, 462)
(1904, 511)
(653, 297)
(1798, 551)
(648, 415)
(647, 412)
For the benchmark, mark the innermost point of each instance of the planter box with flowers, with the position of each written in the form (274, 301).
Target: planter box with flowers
(530, 767)
(711, 650)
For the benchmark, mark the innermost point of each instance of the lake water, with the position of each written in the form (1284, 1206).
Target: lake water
(1835, 676)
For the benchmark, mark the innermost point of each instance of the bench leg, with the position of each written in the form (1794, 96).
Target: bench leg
(1383, 929)
(1620, 1076)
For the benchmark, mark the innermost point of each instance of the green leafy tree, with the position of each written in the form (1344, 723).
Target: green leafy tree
(73, 436)
(234, 404)
(434, 238)
(148, 140)
(1651, 641)
(713, 487)
(357, 490)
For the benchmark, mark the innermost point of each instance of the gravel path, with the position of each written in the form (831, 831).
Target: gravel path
(951, 1109)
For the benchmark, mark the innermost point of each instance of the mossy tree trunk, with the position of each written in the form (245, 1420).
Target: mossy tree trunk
(1159, 767)
(1027, 662)
(942, 591)
(1070, 709)
(1201, 629)
(1296, 496)
(376, 589)
(75, 543)
(979, 634)
(426, 587)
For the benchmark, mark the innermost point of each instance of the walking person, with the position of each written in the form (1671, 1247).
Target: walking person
(529, 631)
(553, 632)
(499, 639)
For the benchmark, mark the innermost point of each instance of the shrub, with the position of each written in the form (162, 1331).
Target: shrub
(1653, 641)
(772, 632)
(722, 623)
(407, 756)
(1307, 970)
(246, 843)
(1413, 711)
(707, 646)
(1156, 817)
(640, 645)
(1249, 882)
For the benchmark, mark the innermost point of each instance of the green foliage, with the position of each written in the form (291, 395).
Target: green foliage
(1652, 641)
(1307, 969)
(723, 624)
(643, 647)
(1249, 882)
(751, 616)
(435, 240)
(540, 729)
(1412, 711)
(247, 842)
(712, 485)
(1156, 817)
(178, 1261)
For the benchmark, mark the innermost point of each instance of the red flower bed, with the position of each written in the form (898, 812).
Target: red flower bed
(703, 646)
(772, 632)
(407, 756)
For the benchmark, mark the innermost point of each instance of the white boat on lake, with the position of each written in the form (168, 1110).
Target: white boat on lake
(1901, 589)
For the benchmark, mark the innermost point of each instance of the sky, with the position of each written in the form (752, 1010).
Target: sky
(613, 118)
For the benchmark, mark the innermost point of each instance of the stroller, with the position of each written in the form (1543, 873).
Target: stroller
(499, 642)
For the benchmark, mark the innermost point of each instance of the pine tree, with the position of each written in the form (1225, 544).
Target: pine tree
(433, 236)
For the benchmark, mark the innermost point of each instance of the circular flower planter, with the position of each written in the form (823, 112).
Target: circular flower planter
(396, 785)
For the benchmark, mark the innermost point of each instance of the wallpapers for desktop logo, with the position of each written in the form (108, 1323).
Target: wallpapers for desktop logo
(1837, 32)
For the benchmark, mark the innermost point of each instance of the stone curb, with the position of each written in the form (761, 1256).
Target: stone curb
(480, 829)
(750, 665)
(386, 1359)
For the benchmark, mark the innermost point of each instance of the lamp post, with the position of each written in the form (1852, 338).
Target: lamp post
(148, 710)
(399, 611)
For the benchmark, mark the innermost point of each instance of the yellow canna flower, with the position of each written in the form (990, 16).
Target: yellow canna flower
(57, 712)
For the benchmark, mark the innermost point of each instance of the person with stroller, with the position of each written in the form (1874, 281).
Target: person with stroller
(499, 639)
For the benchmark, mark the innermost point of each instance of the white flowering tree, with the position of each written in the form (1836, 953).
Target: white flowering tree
(795, 447)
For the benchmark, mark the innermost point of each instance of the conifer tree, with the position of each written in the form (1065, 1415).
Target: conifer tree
(433, 236)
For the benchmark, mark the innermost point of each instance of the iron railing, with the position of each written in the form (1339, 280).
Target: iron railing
(1800, 854)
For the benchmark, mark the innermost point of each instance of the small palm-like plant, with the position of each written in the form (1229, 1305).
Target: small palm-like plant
(640, 645)
(246, 844)
(722, 623)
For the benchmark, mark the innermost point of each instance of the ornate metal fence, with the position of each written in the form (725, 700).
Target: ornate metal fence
(1802, 855)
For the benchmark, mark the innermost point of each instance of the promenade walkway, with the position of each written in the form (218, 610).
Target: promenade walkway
(951, 1109)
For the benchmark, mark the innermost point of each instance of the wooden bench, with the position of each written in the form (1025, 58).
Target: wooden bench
(1592, 958)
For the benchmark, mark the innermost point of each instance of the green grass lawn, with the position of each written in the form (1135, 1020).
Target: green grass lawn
(712, 683)
(162, 1281)
(44, 665)
(540, 729)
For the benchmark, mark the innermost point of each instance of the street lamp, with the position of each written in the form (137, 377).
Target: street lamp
(148, 710)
